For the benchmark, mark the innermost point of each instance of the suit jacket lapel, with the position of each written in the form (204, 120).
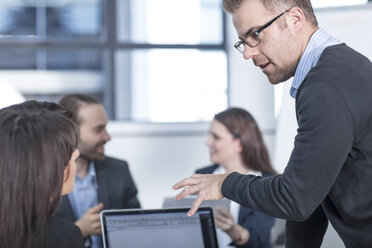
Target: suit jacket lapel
(102, 183)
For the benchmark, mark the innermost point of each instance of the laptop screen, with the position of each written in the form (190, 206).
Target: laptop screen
(164, 228)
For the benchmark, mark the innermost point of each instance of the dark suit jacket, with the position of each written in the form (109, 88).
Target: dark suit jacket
(258, 225)
(116, 188)
(63, 233)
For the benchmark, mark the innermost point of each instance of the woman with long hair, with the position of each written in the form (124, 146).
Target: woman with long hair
(236, 145)
(37, 165)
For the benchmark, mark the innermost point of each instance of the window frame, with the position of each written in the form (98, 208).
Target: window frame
(109, 44)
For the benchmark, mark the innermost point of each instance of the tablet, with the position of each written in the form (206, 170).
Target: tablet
(186, 202)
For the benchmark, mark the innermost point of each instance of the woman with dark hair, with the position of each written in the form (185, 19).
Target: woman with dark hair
(37, 165)
(236, 145)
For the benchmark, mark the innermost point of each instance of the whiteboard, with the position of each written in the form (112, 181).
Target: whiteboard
(350, 25)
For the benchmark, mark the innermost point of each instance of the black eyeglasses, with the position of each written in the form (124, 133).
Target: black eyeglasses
(252, 38)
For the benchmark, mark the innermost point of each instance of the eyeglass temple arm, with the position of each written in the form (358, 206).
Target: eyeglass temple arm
(269, 23)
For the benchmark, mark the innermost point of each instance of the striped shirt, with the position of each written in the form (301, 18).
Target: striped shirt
(319, 41)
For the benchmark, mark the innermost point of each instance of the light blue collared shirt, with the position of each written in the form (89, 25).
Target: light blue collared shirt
(84, 196)
(319, 41)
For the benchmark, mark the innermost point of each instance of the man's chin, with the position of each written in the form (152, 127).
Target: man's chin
(99, 153)
(274, 80)
(278, 76)
(95, 156)
(99, 157)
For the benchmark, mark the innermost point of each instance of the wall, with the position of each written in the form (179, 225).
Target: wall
(160, 155)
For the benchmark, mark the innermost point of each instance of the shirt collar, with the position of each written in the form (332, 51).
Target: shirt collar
(221, 170)
(319, 41)
(92, 170)
(91, 175)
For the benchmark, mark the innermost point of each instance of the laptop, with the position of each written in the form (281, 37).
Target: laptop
(163, 228)
(187, 202)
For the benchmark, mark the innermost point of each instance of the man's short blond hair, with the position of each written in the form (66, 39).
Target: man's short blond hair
(231, 6)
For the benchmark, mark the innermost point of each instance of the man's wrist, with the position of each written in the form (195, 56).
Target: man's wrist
(233, 232)
(79, 225)
(243, 237)
(222, 179)
(238, 234)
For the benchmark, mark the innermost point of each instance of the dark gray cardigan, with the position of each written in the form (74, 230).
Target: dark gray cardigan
(331, 163)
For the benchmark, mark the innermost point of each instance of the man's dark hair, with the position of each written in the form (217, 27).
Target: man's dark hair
(73, 102)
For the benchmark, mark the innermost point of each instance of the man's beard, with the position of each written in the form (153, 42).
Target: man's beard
(279, 77)
(91, 157)
(89, 152)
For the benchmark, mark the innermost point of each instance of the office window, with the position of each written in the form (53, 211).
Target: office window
(51, 19)
(173, 78)
(339, 3)
(171, 22)
(44, 47)
(161, 61)
(178, 69)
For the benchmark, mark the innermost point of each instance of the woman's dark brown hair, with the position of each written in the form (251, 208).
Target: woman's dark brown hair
(242, 126)
(36, 144)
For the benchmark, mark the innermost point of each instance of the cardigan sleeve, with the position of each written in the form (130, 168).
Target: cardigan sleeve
(308, 233)
(323, 141)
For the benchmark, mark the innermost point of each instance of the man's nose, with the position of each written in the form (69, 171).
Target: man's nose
(106, 136)
(208, 142)
(250, 52)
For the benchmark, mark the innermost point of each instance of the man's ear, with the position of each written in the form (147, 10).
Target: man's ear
(295, 19)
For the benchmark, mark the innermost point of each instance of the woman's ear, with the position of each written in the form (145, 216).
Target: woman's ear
(239, 144)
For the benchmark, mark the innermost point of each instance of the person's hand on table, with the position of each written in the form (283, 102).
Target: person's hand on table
(224, 219)
(90, 223)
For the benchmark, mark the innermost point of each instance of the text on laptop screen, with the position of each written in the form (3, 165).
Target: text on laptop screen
(163, 229)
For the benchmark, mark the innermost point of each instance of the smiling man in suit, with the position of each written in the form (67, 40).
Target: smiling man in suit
(101, 182)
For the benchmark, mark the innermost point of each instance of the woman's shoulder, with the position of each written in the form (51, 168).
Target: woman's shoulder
(63, 233)
(207, 169)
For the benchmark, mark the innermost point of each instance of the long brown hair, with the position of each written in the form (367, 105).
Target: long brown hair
(37, 141)
(243, 126)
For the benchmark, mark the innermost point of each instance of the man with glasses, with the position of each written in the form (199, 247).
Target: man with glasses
(329, 173)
